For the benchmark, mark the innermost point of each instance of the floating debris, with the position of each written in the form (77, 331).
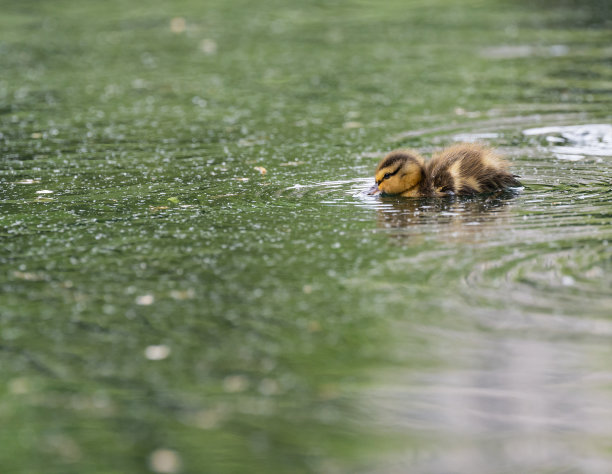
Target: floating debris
(178, 25)
(314, 326)
(44, 191)
(235, 383)
(523, 51)
(28, 181)
(145, 300)
(470, 114)
(261, 169)
(292, 163)
(243, 142)
(19, 386)
(27, 276)
(63, 446)
(349, 125)
(159, 352)
(268, 387)
(182, 294)
(567, 280)
(207, 419)
(208, 46)
(218, 196)
(165, 461)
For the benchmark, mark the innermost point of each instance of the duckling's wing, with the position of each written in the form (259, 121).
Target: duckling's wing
(441, 173)
(470, 168)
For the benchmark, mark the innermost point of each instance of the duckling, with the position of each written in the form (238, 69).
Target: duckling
(462, 169)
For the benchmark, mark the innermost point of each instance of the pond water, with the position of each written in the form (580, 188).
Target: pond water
(194, 279)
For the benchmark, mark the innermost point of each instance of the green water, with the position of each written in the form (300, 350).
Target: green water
(166, 307)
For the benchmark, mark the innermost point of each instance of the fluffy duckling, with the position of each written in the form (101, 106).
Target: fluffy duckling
(462, 169)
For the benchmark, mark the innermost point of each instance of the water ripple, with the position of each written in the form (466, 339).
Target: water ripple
(574, 142)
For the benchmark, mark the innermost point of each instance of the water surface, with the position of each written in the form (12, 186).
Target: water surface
(193, 278)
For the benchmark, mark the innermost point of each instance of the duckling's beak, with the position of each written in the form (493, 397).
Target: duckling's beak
(373, 191)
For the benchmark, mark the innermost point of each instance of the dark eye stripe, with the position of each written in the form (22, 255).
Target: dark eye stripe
(388, 175)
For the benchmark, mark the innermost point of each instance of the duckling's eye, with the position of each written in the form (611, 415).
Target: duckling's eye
(387, 176)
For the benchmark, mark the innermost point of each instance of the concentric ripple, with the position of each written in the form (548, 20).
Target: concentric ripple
(518, 287)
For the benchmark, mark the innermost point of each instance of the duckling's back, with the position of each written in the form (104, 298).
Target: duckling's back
(467, 169)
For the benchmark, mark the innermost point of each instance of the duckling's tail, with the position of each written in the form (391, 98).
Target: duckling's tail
(498, 181)
(515, 183)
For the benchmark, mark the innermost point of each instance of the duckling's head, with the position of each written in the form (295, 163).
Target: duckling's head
(399, 172)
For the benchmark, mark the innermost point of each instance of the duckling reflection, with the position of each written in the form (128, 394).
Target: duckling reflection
(458, 219)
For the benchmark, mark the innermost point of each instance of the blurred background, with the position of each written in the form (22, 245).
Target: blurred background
(193, 279)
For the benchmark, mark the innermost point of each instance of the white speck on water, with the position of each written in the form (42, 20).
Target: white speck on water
(558, 50)
(523, 51)
(145, 300)
(208, 46)
(507, 52)
(19, 386)
(567, 281)
(44, 191)
(183, 294)
(178, 25)
(139, 83)
(165, 461)
(268, 387)
(207, 419)
(235, 383)
(159, 352)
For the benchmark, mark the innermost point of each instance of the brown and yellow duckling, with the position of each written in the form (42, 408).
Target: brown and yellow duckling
(462, 169)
